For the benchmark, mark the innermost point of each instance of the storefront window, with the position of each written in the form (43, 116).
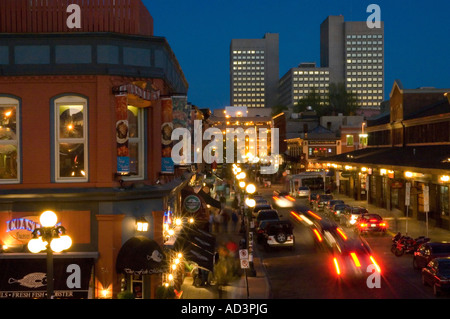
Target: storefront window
(136, 142)
(349, 140)
(9, 140)
(71, 139)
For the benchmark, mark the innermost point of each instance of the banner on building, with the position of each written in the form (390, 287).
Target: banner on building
(123, 156)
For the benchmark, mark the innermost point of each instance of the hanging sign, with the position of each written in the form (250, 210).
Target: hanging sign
(192, 203)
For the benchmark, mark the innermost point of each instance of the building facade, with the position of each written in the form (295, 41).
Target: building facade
(254, 71)
(354, 53)
(300, 81)
(407, 153)
(82, 116)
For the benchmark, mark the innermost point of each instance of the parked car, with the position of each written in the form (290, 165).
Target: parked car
(303, 191)
(267, 214)
(437, 274)
(337, 210)
(322, 199)
(428, 251)
(283, 199)
(278, 234)
(351, 214)
(259, 207)
(370, 223)
(331, 203)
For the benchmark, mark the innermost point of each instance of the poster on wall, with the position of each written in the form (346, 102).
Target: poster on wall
(123, 156)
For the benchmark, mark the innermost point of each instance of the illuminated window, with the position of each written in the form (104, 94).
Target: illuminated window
(136, 143)
(9, 140)
(70, 135)
(349, 140)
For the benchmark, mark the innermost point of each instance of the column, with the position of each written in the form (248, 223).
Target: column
(109, 243)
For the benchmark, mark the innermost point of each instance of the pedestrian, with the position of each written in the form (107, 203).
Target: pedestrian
(225, 219)
(217, 222)
(211, 221)
(234, 219)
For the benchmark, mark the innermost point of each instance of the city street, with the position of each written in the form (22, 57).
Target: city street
(308, 273)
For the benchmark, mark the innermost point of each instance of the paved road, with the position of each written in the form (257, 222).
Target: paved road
(308, 273)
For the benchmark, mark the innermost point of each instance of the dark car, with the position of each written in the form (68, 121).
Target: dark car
(337, 210)
(329, 205)
(351, 259)
(351, 214)
(266, 214)
(322, 199)
(326, 233)
(437, 275)
(370, 223)
(278, 234)
(428, 251)
(259, 207)
(261, 229)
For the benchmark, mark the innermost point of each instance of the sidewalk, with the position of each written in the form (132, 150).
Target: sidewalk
(258, 286)
(403, 224)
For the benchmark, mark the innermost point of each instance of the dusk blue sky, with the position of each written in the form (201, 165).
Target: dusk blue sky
(417, 38)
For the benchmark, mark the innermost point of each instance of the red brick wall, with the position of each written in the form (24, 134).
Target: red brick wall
(36, 16)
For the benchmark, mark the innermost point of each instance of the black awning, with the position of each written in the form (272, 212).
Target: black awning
(209, 200)
(140, 255)
(197, 246)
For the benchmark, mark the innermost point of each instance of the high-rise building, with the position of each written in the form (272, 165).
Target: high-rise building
(254, 71)
(300, 81)
(354, 53)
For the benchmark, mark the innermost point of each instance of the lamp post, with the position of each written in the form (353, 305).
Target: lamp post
(50, 238)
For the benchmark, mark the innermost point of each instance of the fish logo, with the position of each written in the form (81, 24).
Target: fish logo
(33, 280)
(156, 256)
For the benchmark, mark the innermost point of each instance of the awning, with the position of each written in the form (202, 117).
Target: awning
(140, 255)
(197, 246)
(423, 157)
(209, 200)
(137, 96)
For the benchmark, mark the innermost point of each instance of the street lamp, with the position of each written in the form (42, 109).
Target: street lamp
(51, 238)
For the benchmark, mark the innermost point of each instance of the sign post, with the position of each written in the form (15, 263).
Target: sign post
(407, 202)
(245, 264)
(426, 203)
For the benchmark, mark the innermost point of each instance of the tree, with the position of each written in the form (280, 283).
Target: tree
(342, 100)
(312, 99)
(277, 109)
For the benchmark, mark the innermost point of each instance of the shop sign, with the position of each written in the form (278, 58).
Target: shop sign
(27, 278)
(396, 184)
(21, 228)
(192, 203)
(345, 175)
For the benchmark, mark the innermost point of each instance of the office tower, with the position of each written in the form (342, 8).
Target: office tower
(354, 53)
(254, 71)
(300, 81)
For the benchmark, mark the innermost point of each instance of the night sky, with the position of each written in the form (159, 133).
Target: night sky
(417, 38)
